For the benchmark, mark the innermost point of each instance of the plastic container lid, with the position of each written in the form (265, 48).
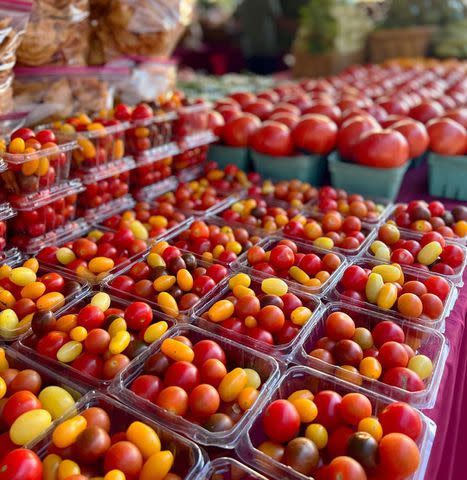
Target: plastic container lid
(90, 134)
(98, 214)
(157, 189)
(28, 342)
(270, 242)
(189, 459)
(107, 170)
(412, 274)
(237, 356)
(157, 153)
(299, 378)
(225, 468)
(198, 139)
(281, 351)
(6, 211)
(432, 344)
(20, 158)
(32, 201)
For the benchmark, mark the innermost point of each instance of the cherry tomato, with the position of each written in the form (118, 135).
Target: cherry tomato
(392, 354)
(207, 349)
(21, 464)
(345, 468)
(19, 403)
(147, 386)
(281, 421)
(402, 418)
(339, 326)
(91, 444)
(138, 315)
(126, 457)
(97, 417)
(399, 455)
(328, 404)
(173, 399)
(204, 400)
(387, 331)
(182, 374)
(354, 407)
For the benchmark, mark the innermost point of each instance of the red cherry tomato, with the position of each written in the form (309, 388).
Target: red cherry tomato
(281, 421)
(402, 418)
(21, 464)
(328, 404)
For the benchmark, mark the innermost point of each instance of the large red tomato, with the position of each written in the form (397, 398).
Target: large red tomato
(229, 112)
(316, 134)
(272, 138)
(331, 111)
(216, 123)
(425, 111)
(286, 107)
(288, 119)
(385, 149)
(21, 464)
(260, 107)
(447, 137)
(391, 120)
(226, 102)
(459, 115)
(416, 135)
(243, 98)
(238, 131)
(393, 107)
(269, 95)
(351, 131)
(302, 101)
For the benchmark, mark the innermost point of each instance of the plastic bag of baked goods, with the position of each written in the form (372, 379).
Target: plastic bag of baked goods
(150, 79)
(14, 15)
(143, 27)
(54, 93)
(57, 34)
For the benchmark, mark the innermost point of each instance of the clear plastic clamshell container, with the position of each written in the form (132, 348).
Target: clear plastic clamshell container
(107, 209)
(6, 212)
(392, 217)
(238, 356)
(225, 468)
(283, 351)
(269, 243)
(174, 234)
(456, 279)
(27, 344)
(383, 205)
(97, 146)
(409, 274)
(299, 378)
(146, 134)
(182, 316)
(368, 230)
(19, 361)
(423, 340)
(42, 220)
(189, 459)
(192, 119)
(10, 335)
(33, 172)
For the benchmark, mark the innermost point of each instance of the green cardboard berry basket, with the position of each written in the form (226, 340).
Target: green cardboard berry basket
(368, 181)
(224, 155)
(447, 176)
(308, 168)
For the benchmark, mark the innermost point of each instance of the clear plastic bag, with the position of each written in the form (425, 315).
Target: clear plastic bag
(143, 27)
(54, 93)
(57, 34)
(14, 15)
(151, 78)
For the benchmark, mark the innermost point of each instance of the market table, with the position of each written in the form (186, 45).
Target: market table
(448, 460)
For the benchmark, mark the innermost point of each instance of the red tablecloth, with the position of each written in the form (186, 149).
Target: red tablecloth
(448, 457)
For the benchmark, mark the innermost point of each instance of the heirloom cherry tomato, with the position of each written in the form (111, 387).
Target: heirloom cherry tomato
(281, 421)
(21, 464)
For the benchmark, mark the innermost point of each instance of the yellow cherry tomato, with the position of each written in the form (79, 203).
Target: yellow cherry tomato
(50, 466)
(155, 331)
(374, 284)
(232, 384)
(29, 425)
(387, 296)
(177, 350)
(317, 434)
(157, 466)
(274, 286)
(145, 438)
(67, 432)
(372, 426)
(221, 310)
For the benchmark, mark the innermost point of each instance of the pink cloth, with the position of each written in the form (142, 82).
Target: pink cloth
(448, 459)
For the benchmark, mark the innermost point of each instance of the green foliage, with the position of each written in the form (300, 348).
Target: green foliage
(406, 13)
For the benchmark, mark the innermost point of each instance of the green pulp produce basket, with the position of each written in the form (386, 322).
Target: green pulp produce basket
(308, 168)
(447, 176)
(368, 181)
(224, 155)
